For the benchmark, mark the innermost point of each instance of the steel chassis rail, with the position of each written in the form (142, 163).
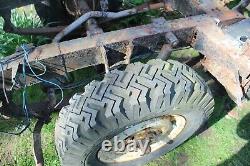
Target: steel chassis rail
(211, 35)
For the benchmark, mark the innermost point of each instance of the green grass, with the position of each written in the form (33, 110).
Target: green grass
(17, 150)
(221, 142)
(9, 42)
(226, 141)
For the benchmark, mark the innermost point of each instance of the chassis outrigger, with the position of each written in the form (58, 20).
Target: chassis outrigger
(219, 34)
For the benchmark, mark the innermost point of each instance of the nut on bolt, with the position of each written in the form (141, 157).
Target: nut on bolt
(171, 39)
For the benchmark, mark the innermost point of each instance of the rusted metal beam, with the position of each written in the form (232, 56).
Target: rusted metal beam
(165, 52)
(89, 43)
(37, 143)
(43, 31)
(226, 56)
(103, 53)
(129, 52)
(206, 35)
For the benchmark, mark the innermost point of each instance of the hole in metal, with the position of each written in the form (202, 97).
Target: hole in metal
(243, 38)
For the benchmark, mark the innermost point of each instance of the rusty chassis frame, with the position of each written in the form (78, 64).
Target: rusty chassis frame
(211, 29)
(219, 34)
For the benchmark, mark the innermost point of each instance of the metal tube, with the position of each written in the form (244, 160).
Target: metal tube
(96, 14)
(37, 143)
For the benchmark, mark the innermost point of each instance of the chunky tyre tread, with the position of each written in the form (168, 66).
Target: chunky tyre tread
(248, 93)
(125, 96)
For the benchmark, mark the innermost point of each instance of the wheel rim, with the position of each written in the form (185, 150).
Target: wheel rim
(158, 132)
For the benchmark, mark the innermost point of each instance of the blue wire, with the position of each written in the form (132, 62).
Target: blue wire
(26, 112)
(40, 79)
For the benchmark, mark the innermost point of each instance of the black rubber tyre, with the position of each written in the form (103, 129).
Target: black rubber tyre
(125, 98)
(248, 94)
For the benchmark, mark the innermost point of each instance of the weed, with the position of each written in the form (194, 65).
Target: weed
(9, 41)
(221, 144)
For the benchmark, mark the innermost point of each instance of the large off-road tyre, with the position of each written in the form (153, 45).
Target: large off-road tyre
(248, 93)
(159, 101)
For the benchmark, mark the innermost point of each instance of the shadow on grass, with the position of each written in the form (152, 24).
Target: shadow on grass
(223, 105)
(242, 158)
